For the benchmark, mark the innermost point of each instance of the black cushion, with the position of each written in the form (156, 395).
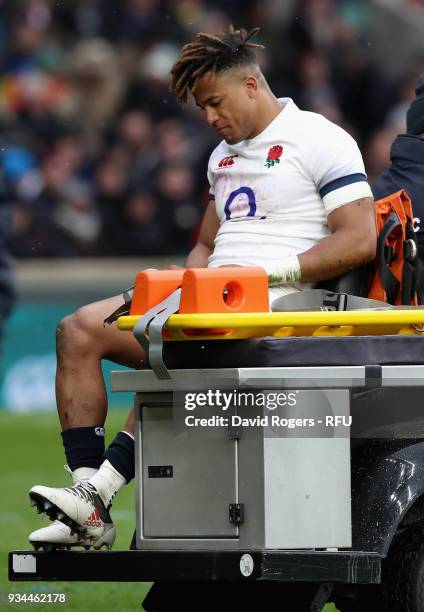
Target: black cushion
(296, 351)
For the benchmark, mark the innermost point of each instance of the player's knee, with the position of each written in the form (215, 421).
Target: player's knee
(74, 333)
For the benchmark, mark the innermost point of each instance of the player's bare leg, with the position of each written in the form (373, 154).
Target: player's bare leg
(82, 342)
(83, 510)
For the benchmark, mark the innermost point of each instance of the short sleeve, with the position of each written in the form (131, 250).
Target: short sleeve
(337, 168)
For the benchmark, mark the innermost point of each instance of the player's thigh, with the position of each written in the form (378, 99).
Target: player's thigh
(107, 340)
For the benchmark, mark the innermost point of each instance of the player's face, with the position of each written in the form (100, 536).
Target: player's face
(227, 105)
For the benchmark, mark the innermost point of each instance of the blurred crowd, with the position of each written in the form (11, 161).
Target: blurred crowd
(96, 156)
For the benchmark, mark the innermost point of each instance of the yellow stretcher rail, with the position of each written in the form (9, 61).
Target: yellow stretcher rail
(224, 326)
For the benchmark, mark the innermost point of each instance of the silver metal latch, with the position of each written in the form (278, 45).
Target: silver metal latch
(236, 513)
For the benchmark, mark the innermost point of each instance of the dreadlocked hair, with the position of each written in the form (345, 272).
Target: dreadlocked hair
(210, 53)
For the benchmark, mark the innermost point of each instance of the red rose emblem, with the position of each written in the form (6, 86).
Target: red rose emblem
(275, 152)
(274, 155)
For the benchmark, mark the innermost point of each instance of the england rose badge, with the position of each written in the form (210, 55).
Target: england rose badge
(274, 155)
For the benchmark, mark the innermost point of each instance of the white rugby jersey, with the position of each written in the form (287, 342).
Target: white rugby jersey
(273, 192)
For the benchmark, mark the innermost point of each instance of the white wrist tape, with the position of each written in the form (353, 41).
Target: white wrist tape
(286, 272)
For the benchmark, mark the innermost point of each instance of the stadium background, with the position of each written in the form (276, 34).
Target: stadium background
(102, 174)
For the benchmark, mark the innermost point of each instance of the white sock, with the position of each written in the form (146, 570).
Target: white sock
(108, 482)
(83, 473)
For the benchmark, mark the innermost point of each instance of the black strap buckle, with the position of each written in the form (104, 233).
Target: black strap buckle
(335, 301)
(410, 249)
(123, 310)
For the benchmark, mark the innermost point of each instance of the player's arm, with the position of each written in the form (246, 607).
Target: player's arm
(352, 243)
(336, 167)
(198, 256)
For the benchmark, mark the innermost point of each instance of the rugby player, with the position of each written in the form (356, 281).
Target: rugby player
(288, 192)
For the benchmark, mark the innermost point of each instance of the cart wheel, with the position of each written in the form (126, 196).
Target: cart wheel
(403, 573)
(402, 584)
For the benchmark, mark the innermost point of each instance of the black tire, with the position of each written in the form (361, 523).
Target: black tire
(403, 573)
(402, 583)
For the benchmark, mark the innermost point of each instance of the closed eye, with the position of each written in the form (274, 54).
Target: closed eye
(213, 103)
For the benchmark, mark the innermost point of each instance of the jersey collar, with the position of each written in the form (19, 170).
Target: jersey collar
(288, 107)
